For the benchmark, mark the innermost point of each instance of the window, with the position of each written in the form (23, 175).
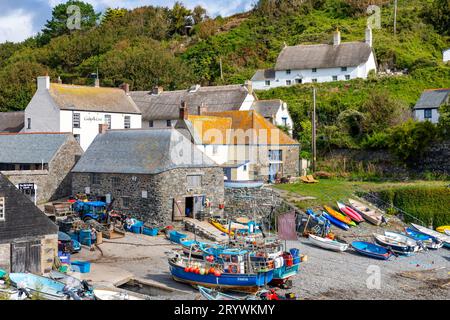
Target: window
(108, 120)
(335, 78)
(275, 155)
(427, 113)
(150, 124)
(25, 167)
(77, 137)
(288, 71)
(115, 182)
(127, 122)
(347, 77)
(215, 149)
(314, 80)
(95, 178)
(76, 120)
(2, 209)
(194, 181)
(284, 119)
(245, 168)
(267, 82)
(298, 80)
(314, 69)
(28, 123)
(288, 82)
(169, 123)
(125, 202)
(344, 69)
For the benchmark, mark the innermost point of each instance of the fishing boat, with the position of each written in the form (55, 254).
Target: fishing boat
(339, 216)
(286, 266)
(236, 276)
(328, 244)
(395, 245)
(442, 229)
(114, 295)
(10, 293)
(371, 250)
(47, 288)
(212, 294)
(193, 248)
(429, 241)
(355, 216)
(335, 221)
(374, 216)
(440, 236)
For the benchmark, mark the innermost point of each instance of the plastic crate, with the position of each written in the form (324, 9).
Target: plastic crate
(150, 231)
(85, 237)
(81, 266)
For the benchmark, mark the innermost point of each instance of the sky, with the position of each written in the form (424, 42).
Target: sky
(20, 19)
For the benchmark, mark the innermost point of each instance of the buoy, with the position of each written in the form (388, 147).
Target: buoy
(211, 270)
(217, 273)
(186, 269)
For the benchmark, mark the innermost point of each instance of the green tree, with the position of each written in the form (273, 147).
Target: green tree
(438, 14)
(444, 119)
(180, 17)
(198, 14)
(60, 22)
(111, 15)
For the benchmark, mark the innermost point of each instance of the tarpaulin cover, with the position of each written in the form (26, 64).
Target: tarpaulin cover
(286, 226)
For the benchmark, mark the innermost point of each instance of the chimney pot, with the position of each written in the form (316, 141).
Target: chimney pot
(97, 83)
(202, 109)
(157, 90)
(59, 80)
(125, 87)
(184, 111)
(337, 37)
(102, 128)
(249, 85)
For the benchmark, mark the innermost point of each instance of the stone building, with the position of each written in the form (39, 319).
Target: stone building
(156, 175)
(11, 121)
(39, 164)
(28, 239)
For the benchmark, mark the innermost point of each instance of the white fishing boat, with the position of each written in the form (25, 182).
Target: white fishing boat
(114, 295)
(369, 213)
(440, 236)
(328, 244)
(404, 239)
(395, 245)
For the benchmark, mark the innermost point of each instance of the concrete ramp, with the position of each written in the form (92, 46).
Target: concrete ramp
(205, 230)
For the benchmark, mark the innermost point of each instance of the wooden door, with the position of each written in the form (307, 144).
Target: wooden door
(26, 257)
(178, 209)
(33, 263)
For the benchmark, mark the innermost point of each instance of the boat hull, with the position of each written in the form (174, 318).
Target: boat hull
(47, 288)
(366, 212)
(429, 241)
(440, 236)
(336, 222)
(329, 245)
(395, 246)
(339, 216)
(371, 250)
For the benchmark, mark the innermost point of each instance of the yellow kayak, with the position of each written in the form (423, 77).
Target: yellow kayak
(340, 216)
(220, 227)
(442, 229)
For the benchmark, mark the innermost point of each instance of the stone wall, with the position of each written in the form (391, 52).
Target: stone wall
(5, 256)
(162, 189)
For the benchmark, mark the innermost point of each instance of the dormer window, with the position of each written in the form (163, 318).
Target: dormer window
(2, 209)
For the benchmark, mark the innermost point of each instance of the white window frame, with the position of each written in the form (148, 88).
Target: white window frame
(267, 83)
(108, 120)
(288, 71)
(76, 119)
(215, 149)
(334, 78)
(2, 209)
(343, 69)
(314, 80)
(427, 112)
(347, 77)
(288, 82)
(314, 70)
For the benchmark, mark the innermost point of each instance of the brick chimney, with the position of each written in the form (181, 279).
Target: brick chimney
(157, 90)
(125, 87)
(184, 113)
(59, 80)
(202, 109)
(43, 83)
(337, 37)
(249, 85)
(102, 128)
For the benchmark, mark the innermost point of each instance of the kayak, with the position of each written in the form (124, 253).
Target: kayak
(442, 229)
(374, 216)
(335, 221)
(429, 241)
(220, 227)
(339, 216)
(355, 216)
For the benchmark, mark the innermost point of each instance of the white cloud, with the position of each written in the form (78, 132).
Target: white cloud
(16, 26)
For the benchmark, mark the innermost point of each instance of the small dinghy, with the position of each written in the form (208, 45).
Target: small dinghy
(440, 236)
(47, 288)
(371, 250)
(328, 244)
(339, 216)
(404, 238)
(9, 293)
(355, 216)
(429, 241)
(447, 232)
(114, 295)
(335, 221)
(212, 294)
(397, 246)
(372, 215)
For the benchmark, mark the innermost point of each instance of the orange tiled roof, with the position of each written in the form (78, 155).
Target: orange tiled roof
(210, 129)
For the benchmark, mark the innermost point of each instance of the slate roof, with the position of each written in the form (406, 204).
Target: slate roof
(347, 54)
(30, 148)
(100, 99)
(11, 121)
(140, 151)
(22, 217)
(432, 99)
(267, 108)
(166, 105)
(265, 74)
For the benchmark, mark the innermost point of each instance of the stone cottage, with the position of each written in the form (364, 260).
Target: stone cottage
(28, 239)
(157, 175)
(39, 164)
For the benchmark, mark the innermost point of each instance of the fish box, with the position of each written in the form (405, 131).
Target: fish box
(81, 266)
(150, 231)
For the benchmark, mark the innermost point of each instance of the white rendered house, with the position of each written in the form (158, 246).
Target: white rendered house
(446, 55)
(427, 108)
(319, 63)
(57, 107)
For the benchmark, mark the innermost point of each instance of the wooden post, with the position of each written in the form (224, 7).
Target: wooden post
(221, 69)
(314, 151)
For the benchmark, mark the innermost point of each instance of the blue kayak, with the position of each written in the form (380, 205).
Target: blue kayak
(317, 218)
(335, 221)
(371, 250)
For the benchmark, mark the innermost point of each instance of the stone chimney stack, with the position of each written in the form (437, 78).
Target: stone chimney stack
(369, 36)
(43, 83)
(157, 90)
(202, 109)
(125, 87)
(184, 113)
(59, 80)
(249, 85)
(97, 83)
(102, 128)
(337, 37)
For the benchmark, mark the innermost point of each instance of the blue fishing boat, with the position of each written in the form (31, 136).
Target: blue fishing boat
(429, 241)
(335, 221)
(371, 250)
(238, 280)
(47, 288)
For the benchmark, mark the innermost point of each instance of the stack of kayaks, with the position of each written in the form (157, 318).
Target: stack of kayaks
(335, 221)
(349, 212)
(428, 241)
(370, 214)
(371, 250)
(440, 236)
(339, 216)
(328, 244)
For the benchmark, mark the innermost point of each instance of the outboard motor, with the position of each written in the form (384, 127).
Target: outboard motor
(70, 293)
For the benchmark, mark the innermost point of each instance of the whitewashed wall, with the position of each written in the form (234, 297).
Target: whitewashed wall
(446, 55)
(419, 115)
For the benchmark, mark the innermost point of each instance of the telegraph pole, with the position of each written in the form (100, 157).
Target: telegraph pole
(313, 144)
(221, 69)
(395, 17)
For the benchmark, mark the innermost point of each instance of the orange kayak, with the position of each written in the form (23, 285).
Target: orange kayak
(339, 216)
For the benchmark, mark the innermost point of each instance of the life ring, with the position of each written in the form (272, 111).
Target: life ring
(233, 268)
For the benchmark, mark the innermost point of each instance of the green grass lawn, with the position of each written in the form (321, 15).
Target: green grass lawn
(328, 191)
